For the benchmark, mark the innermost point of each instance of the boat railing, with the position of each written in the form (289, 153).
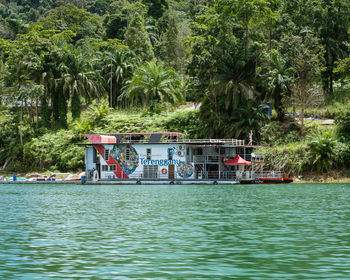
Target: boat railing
(269, 174)
(205, 159)
(233, 142)
(198, 175)
(219, 158)
(258, 158)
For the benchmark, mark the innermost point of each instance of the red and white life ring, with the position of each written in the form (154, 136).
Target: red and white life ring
(164, 171)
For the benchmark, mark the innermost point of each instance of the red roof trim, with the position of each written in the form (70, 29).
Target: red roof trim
(147, 133)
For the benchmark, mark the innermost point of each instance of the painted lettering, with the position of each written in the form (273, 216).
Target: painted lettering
(160, 162)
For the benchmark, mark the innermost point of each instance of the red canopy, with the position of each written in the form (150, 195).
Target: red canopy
(237, 160)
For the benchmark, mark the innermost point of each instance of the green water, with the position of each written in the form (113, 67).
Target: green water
(175, 232)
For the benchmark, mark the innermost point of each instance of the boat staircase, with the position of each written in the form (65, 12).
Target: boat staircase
(200, 173)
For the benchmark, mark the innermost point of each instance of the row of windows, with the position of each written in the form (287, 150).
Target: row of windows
(111, 167)
(127, 154)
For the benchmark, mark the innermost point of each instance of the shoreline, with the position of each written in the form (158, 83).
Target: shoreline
(332, 177)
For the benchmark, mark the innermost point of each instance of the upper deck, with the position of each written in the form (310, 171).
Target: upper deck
(157, 138)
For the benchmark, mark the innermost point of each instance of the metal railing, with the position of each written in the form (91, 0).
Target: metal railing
(198, 175)
(258, 158)
(233, 142)
(206, 159)
(269, 174)
(218, 158)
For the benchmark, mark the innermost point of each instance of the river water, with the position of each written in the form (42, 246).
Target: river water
(175, 232)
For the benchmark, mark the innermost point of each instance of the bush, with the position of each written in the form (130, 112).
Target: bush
(343, 122)
(319, 153)
(293, 158)
(322, 151)
(187, 122)
(53, 150)
(277, 133)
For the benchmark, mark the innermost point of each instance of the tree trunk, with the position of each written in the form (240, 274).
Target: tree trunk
(302, 103)
(20, 129)
(331, 79)
(294, 114)
(37, 112)
(111, 87)
(127, 29)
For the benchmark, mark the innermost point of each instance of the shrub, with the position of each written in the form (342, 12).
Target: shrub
(277, 133)
(53, 149)
(343, 122)
(322, 151)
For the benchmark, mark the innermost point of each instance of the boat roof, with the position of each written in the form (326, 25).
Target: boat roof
(162, 138)
(146, 133)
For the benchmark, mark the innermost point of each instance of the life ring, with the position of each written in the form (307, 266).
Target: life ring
(164, 171)
(95, 176)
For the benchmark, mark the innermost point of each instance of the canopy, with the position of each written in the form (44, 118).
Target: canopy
(237, 160)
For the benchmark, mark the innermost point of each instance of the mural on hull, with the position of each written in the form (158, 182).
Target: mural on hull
(171, 151)
(184, 170)
(128, 159)
(119, 154)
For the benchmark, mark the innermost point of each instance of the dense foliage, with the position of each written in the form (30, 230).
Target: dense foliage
(73, 67)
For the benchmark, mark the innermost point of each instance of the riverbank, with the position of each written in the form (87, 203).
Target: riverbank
(331, 177)
(311, 177)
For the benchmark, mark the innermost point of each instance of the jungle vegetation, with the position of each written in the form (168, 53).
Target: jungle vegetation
(73, 67)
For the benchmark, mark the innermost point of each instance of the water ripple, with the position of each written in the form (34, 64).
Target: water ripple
(175, 232)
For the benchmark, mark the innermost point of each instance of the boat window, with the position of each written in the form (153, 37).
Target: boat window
(104, 167)
(240, 151)
(149, 153)
(106, 155)
(127, 154)
(112, 167)
(94, 156)
(150, 171)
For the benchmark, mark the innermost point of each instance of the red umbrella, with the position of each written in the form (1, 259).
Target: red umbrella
(237, 160)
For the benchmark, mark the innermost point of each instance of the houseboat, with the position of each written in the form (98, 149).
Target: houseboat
(170, 158)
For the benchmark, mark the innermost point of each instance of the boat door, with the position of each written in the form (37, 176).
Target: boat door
(98, 167)
(171, 170)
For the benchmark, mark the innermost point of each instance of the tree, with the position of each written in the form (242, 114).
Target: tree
(152, 83)
(78, 80)
(173, 50)
(116, 68)
(138, 38)
(115, 26)
(305, 56)
(332, 23)
(224, 67)
(156, 8)
(279, 77)
(79, 21)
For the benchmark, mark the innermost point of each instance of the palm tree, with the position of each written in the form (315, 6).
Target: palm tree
(231, 86)
(116, 68)
(279, 77)
(79, 80)
(152, 83)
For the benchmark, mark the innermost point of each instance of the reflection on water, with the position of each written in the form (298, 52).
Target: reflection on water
(175, 232)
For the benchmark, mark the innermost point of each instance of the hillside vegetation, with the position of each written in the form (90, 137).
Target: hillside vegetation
(68, 68)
